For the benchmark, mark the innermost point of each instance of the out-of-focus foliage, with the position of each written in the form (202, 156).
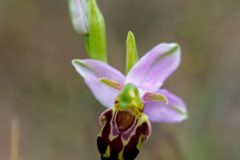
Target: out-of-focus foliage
(59, 116)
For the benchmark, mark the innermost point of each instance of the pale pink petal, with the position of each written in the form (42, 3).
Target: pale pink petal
(151, 70)
(92, 71)
(174, 111)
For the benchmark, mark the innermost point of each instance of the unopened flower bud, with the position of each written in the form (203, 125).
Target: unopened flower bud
(79, 15)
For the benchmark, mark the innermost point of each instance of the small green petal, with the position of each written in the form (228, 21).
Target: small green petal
(131, 49)
(155, 97)
(111, 83)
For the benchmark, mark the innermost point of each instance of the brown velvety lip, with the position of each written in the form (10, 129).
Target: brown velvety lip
(124, 120)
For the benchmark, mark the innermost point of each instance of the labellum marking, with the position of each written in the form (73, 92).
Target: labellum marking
(130, 133)
(124, 120)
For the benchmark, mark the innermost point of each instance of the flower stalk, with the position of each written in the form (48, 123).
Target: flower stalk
(14, 153)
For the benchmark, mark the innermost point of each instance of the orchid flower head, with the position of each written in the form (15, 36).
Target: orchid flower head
(142, 83)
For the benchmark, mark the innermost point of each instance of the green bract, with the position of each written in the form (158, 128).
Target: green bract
(95, 40)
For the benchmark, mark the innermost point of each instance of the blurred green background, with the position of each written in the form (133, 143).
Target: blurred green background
(58, 115)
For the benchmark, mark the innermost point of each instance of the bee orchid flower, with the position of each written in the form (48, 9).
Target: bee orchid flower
(133, 100)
